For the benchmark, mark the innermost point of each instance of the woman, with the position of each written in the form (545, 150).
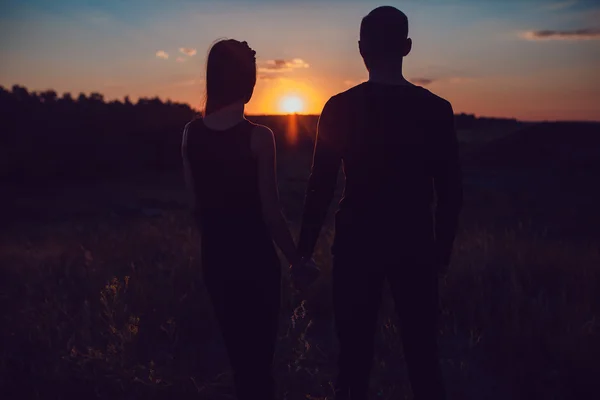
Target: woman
(230, 168)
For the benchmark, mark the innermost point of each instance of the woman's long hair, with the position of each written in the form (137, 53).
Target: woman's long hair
(230, 74)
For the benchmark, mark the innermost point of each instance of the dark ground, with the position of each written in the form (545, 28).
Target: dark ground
(101, 293)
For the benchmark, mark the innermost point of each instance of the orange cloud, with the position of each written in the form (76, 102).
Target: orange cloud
(280, 65)
(189, 82)
(578, 34)
(162, 54)
(188, 51)
(422, 81)
(267, 77)
(180, 59)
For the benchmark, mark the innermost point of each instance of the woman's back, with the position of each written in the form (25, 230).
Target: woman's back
(225, 178)
(229, 169)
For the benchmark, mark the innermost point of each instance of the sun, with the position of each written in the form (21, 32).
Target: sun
(291, 104)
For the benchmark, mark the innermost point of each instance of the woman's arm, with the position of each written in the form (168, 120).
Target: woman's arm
(263, 146)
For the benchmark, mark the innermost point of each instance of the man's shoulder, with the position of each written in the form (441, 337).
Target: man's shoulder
(345, 97)
(348, 94)
(426, 96)
(433, 99)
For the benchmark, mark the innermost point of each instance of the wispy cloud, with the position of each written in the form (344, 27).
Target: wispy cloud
(188, 51)
(267, 77)
(180, 59)
(162, 54)
(578, 34)
(425, 81)
(560, 5)
(422, 81)
(189, 82)
(280, 65)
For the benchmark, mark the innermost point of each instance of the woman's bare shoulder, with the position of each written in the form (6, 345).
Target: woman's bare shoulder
(263, 140)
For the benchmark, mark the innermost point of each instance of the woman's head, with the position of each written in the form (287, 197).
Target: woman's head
(230, 74)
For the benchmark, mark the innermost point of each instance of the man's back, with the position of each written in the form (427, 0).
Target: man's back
(398, 146)
(397, 143)
(390, 148)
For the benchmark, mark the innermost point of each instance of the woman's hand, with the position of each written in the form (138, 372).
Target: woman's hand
(304, 273)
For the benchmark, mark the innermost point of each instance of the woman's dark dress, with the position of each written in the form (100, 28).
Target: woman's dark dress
(240, 265)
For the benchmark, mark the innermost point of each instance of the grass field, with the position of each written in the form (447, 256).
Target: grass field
(103, 298)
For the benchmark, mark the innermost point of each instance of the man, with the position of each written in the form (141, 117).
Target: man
(399, 150)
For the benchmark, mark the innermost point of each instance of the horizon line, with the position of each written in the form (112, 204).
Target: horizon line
(195, 109)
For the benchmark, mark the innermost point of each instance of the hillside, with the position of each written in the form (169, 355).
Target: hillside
(547, 173)
(555, 145)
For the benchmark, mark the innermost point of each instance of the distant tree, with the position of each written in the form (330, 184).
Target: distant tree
(42, 135)
(67, 98)
(49, 96)
(96, 97)
(20, 93)
(44, 138)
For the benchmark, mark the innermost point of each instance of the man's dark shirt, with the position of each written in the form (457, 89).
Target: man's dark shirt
(399, 152)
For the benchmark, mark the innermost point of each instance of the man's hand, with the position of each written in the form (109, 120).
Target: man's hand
(304, 273)
(442, 273)
(443, 269)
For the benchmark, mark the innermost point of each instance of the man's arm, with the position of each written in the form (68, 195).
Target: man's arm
(327, 158)
(447, 179)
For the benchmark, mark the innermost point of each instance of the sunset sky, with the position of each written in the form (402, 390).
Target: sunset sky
(531, 60)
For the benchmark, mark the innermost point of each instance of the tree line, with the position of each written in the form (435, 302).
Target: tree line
(45, 137)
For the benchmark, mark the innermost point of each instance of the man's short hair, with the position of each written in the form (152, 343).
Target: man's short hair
(383, 31)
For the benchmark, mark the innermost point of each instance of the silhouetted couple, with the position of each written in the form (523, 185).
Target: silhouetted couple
(398, 147)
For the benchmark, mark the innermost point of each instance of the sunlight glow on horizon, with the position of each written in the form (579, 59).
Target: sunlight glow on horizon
(291, 104)
(287, 96)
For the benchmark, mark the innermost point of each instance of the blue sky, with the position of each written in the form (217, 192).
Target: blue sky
(486, 57)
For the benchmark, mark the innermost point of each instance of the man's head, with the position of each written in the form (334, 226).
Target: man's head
(384, 37)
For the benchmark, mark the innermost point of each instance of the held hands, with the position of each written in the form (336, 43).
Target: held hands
(304, 272)
(443, 269)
